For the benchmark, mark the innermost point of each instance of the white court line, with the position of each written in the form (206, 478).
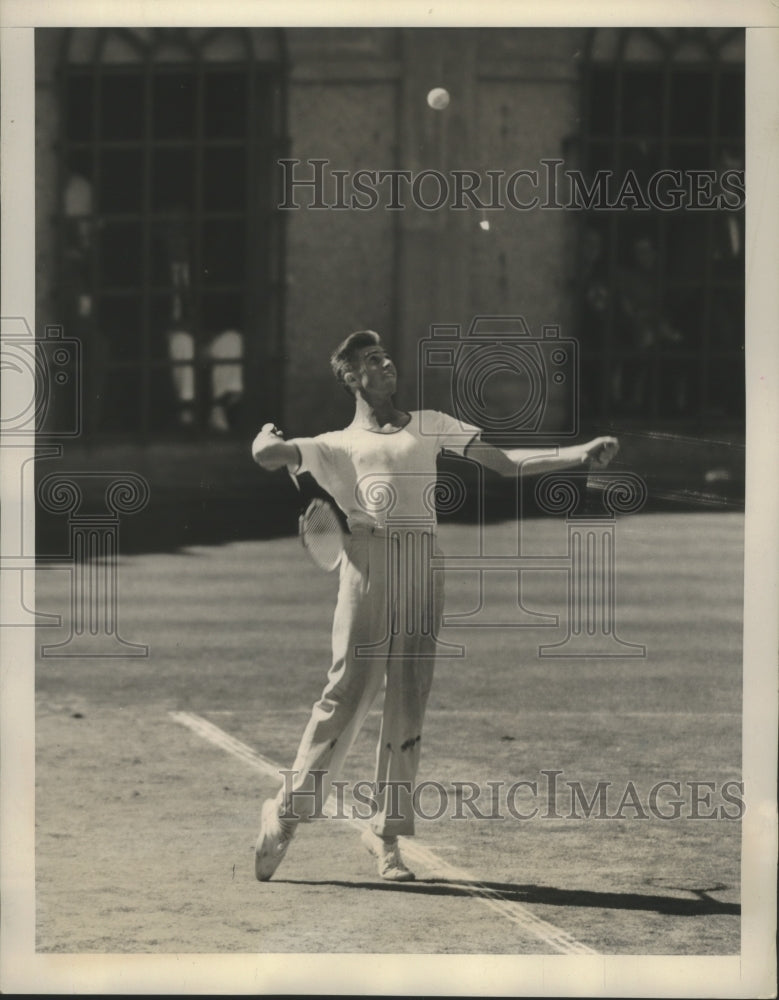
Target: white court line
(521, 713)
(224, 740)
(510, 910)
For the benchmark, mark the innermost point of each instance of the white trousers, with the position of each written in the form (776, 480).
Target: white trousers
(386, 620)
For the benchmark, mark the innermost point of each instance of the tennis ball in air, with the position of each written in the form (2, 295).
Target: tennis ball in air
(438, 98)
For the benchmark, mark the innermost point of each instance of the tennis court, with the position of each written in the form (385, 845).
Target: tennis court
(151, 770)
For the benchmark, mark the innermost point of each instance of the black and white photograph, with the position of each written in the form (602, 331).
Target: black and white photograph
(389, 499)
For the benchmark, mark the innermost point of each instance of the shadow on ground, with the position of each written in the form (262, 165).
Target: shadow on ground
(702, 906)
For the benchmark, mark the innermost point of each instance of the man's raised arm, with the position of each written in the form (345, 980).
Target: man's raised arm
(595, 454)
(271, 451)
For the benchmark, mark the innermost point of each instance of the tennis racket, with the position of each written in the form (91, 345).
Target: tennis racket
(319, 525)
(321, 532)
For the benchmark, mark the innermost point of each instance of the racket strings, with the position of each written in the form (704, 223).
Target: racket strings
(322, 534)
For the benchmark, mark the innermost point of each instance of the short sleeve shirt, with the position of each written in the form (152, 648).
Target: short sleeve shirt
(376, 477)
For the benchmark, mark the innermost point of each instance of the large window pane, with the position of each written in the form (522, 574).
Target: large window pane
(601, 107)
(120, 324)
(730, 120)
(121, 254)
(222, 311)
(164, 319)
(121, 181)
(224, 252)
(686, 156)
(173, 180)
(225, 105)
(687, 246)
(726, 387)
(687, 312)
(691, 103)
(173, 106)
(122, 403)
(172, 256)
(678, 386)
(79, 107)
(225, 179)
(122, 106)
(727, 312)
(167, 410)
(642, 102)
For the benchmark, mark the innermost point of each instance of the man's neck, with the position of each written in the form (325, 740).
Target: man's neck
(377, 413)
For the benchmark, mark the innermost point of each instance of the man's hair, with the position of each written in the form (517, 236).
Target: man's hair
(343, 357)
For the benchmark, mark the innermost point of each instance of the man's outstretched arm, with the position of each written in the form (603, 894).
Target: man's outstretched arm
(271, 451)
(595, 454)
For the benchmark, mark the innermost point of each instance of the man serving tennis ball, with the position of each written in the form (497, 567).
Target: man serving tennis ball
(382, 465)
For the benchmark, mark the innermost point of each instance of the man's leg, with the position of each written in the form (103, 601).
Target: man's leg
(409, 679)
(397, 761)
(352, 682)
(419, 611)
(352, 685)
(336, 719)
(400, 744)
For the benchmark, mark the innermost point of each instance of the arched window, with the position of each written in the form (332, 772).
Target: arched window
(170, 244)
(661, 284)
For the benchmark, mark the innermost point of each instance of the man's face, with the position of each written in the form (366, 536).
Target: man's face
(374, 371)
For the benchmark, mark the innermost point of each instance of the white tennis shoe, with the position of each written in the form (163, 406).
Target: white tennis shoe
(391, 865)
(275, 837)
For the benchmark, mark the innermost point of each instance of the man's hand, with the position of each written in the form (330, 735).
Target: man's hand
(600, 451)
(271, 429)
(271, 451)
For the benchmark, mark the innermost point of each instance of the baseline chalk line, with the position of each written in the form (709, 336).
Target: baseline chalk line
(493, 899)
(227, 742)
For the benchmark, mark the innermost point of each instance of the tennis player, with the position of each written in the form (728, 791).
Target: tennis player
(380, 471)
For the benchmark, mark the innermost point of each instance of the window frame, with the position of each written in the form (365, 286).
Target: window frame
(260, 291)
(607, 51)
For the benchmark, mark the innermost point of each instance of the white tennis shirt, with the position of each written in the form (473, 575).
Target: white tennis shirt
(381, 476)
